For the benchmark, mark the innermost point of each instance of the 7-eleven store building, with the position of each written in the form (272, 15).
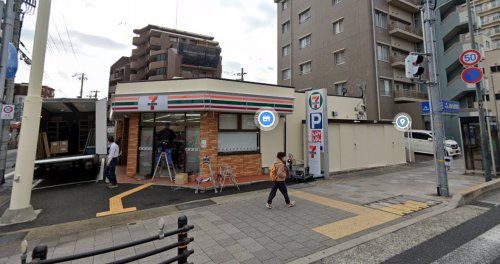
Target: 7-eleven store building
(210, 117)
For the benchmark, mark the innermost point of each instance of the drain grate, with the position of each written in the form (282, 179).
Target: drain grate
(483, 204)
(402, 204)
(196, 204)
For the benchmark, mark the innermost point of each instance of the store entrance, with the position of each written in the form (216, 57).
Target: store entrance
(181, 131)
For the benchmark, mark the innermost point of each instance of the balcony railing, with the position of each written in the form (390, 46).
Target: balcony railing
(410, 94)
(408, 28)
(407, 5)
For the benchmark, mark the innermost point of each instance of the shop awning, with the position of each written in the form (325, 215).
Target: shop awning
(218, 95)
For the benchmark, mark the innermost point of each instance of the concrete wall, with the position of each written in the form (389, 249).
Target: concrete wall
(352, 145)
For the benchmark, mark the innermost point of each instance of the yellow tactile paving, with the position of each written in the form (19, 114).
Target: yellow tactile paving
(392, 210)
(366, 217)
(116, 205)
(423, 205)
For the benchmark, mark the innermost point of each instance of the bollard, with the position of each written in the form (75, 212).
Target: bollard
(182, 237)
(39, 252)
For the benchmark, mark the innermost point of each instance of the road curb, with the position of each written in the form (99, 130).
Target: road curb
(457, 200)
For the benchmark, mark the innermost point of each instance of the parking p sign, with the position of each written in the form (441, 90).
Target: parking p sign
(316, 120)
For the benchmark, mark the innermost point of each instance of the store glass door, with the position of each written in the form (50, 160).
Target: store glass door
(192, 148)
(145, 151)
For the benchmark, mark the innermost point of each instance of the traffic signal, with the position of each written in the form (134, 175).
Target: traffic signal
(413, 66)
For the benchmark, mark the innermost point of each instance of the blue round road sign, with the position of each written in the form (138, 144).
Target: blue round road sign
(472, 75)
(266, 118)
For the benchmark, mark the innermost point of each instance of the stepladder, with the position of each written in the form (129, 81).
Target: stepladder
(164, 159)
(206, 165)
(226, 174)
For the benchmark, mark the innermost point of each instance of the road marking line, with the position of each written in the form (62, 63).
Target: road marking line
(116, 205)
(365, 217)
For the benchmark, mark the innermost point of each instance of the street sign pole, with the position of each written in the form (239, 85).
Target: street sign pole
(429, 18)
(480, 104)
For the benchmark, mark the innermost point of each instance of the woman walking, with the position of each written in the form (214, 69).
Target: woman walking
(278, 174)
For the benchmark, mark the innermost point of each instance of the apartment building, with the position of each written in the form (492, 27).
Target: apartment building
(353, 48)
(488, 12)
(164, 53)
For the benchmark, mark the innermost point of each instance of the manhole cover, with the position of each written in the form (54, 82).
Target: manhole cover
(402, 204)
(196, 204)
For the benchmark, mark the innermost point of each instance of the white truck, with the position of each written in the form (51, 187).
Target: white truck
(72, 141)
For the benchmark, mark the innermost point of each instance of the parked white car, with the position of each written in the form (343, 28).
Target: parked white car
(422, 142)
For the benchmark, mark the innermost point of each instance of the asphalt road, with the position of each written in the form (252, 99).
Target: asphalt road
(470, 237)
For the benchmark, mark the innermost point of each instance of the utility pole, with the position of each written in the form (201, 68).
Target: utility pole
(485, 140)
(429, 19)
(6, 39)
(241, 74)
(82, 77)
(20, 210)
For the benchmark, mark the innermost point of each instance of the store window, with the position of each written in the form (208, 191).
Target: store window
(238, 133)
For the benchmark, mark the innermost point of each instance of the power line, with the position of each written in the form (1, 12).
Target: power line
(59, 34)
(69, 37)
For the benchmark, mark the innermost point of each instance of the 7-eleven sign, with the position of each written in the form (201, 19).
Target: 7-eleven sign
(153, 103)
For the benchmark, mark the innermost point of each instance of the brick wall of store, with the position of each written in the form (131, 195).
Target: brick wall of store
(243, 165)
(133, 144)
(209, 126)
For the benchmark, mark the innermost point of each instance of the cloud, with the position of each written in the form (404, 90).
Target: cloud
(78, 38)
(267, 8)
(231, 65)
(231, 3)
(96, 41)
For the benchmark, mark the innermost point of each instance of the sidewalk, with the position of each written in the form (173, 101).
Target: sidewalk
(238, 229)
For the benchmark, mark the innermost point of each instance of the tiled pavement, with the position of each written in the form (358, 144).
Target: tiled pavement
(243, 231)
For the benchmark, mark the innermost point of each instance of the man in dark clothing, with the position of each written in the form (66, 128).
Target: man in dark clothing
(167, 135)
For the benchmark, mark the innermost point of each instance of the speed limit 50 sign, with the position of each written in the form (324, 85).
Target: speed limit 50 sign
(470, 57)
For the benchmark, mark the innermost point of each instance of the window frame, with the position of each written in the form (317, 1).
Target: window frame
(239, 129)
(286, 47)
(342, 84)
(335, 57)
(377, 19)
(336, 2)
(284, 5)
(308, 11)
(339, 22)
(286, 25)
(380, 46)
(289, 76)
(304, 63)
(308, 43)
(383, 91)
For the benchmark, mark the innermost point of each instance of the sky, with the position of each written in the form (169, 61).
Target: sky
(90, 35)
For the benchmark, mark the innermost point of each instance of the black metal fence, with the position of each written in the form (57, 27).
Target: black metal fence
(39, 254)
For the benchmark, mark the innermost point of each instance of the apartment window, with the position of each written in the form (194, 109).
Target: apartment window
(385, 87)
(380, 19)
(161, 71)
(338, 26)
(285, 74)
(341, 88)
(305, 68)
(336, 2)
(339, 57)
(285, 27)
(383, 52)
(495, 68)
(284, 5)
(174, 39)
(305, 42)
(304, 16)
(285, 51)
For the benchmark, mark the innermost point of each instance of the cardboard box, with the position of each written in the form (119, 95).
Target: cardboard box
(63, 143)
(181, 178)
(63, 149)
